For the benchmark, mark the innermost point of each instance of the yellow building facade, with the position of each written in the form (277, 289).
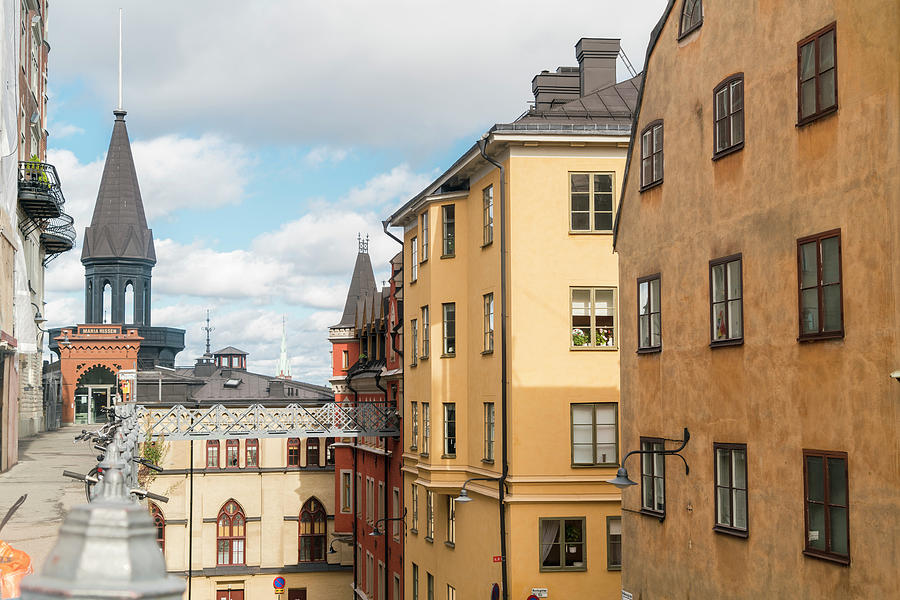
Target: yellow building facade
(562, 520)
(758, 245)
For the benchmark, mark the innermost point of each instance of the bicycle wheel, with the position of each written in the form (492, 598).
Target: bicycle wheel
(88, 486)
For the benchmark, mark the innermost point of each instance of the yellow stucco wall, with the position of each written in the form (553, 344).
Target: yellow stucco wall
(773, 393)
(545, 376)
(271, 501)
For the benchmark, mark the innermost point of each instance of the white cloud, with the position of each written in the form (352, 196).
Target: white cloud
(62, 130)
(387, 73)
(323, 154)
(388, 189)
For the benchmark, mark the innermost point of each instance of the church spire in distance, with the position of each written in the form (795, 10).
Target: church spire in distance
(284, 364)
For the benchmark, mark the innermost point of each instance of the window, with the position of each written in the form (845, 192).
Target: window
(449, 328)
(429, 515)
(827, 505)
(726, 303)
(489, 431)
(312, 531)
(414, 330)
(232, 454)
(487, 212)
(359, 497)
(691, 17)
(613, 543)
(816, 75)
(451, 593)
(396, 595)
(649, 319)
(415, 581)
(346, 491)
(380, 503)
(251, 453)
(345, 359)
(312, 452)
(414, 263)
(414, 413)
(653, 476)
(160, 522)
(424, 236)
(728, 99)
(359, 565)
(430, 589)
(448, 214)
(426, 344)
(395, 514)
(414, 500)
(731, 487)
(591, 202)
(230, 535)
(329, 451)
(562, 545)
(451, 520)
(382, 582)
(370, 500)
(652, 155)
(593, 317)
(426, 428)
(449, 429)
(489, 322)
(293, 452)
(821, 301)
(594, 434)
(212, 454)
(370, 573)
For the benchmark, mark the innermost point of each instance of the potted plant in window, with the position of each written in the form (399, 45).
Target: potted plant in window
(579, 338)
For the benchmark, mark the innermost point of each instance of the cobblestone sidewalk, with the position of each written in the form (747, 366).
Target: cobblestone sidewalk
(42, 458)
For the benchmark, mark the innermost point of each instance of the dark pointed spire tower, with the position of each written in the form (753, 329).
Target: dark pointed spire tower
(118, 256)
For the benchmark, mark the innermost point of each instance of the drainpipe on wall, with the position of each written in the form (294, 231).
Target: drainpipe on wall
(504, 443)
(384, 439)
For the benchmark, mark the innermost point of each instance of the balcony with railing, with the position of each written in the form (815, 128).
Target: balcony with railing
(58, 236)
(40, 194)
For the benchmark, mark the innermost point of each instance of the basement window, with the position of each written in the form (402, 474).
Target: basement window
(232, 383)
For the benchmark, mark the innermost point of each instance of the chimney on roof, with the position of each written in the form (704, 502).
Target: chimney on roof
(551, 89)
(596, 62)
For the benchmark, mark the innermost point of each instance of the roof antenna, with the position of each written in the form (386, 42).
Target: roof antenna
(363, 243)
(120, 60)
(207, 329)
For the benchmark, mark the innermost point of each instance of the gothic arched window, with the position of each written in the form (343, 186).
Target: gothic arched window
(230, 535)
(107, 302)
(160, 522)
(129, 304)
(312, 452)
(312, 531)
(691, 16)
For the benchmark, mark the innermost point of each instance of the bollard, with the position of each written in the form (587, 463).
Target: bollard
(106, 549)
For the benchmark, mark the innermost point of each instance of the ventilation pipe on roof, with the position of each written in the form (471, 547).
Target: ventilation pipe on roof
(596, 62)
(504, 437)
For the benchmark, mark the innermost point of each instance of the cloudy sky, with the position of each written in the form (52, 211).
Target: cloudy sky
(267, 135)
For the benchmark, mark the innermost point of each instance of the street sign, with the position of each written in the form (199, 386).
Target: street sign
(127, 374)
(627, 595)
(279, 591)
(539, 592)
(498, 559)
(279, 585)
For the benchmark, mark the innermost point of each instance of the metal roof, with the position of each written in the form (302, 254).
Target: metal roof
(119, 228)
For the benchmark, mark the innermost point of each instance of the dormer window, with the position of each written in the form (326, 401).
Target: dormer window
(691, 17)
(232, 383)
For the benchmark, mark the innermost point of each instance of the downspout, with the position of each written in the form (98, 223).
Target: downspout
(504, 438)
(387, 552)
(356, 492)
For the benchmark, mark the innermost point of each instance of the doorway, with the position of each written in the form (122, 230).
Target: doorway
(229, 594)
(296, 594)
(94, 394)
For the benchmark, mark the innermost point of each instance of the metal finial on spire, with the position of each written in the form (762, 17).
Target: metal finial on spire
(207, 329)
(363, 243)
(120, 60)
(284, 364)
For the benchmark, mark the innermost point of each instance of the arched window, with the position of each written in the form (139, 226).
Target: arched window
(129, 304)
(160, 523)
(89, 299)
(230, 535)
(691, 16)
(252, 452)
(312, 452)
(312, 532)
(232, 454)
(212, 454)
(107, 303)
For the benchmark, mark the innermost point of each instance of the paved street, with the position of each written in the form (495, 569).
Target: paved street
(42, 458)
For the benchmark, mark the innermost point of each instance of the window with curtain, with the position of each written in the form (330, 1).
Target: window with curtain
(230, 535)
(594, 434)
(593, 317)
(563, 544)
(731, 488)
(613, 543)
(726, 301)
(312, 531)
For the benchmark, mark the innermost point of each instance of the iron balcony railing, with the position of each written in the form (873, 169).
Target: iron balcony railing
(58, 236)
(40, 193)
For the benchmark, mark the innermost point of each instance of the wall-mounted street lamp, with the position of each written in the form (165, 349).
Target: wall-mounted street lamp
(38, 317)
(621, 479)
(342, 540)
(377, 532)
(464, 494)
